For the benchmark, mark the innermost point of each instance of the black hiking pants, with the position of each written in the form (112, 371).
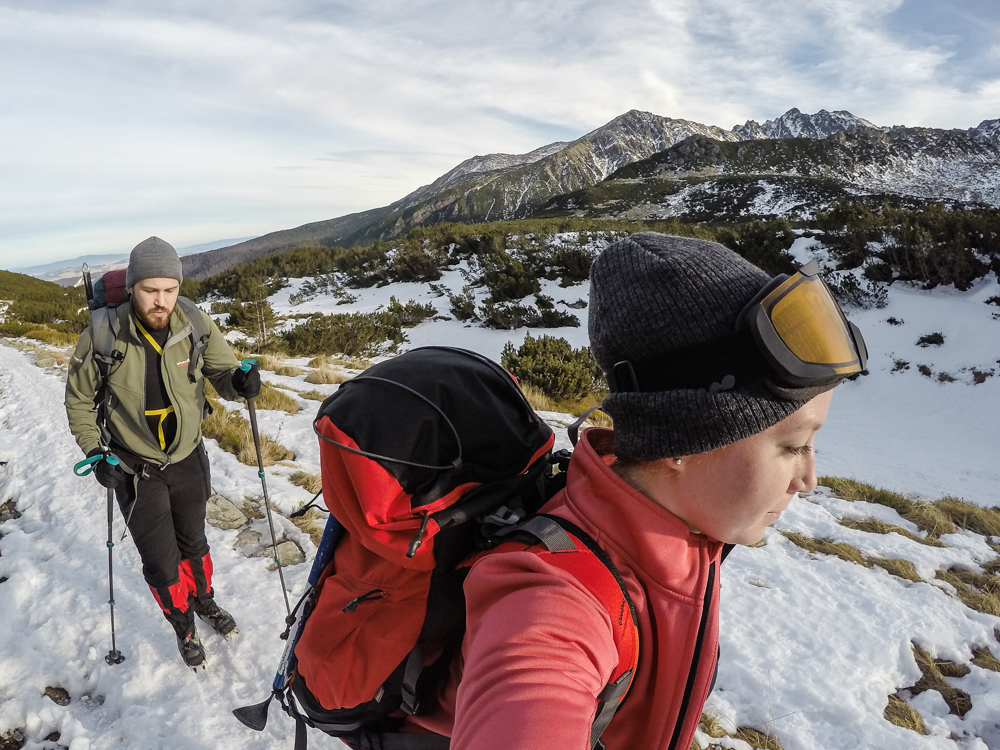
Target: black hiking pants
(165, 513)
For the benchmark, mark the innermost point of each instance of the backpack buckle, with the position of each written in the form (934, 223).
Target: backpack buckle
(503, 516)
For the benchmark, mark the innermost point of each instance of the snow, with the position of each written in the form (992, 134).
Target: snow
(812, 646)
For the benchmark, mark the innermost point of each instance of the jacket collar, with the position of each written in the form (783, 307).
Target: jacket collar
(180, 326)
(646, 534)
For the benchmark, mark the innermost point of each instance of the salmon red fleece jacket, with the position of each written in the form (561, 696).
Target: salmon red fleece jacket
(538, 646)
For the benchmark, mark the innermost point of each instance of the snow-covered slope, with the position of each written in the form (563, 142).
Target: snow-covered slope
(812, 645)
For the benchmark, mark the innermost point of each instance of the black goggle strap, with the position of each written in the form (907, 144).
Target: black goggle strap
(715, 366)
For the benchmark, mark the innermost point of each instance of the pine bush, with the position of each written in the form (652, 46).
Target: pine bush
(554, 367)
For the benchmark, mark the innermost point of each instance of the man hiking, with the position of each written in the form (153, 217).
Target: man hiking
(153, 406)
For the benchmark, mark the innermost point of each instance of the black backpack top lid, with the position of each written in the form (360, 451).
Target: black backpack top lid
(438, 417)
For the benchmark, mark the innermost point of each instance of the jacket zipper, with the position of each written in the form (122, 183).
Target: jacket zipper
(695, 659)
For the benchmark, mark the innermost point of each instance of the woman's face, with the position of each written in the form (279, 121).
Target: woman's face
(732, 494)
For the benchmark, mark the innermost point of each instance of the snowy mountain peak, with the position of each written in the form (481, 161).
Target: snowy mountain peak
(795, 124)
(989, 129)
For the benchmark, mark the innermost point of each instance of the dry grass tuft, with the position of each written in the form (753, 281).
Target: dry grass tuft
(60, 358)
(983, 657)
(854, 491)
(326, 376)
(233, 434)
(351, 363)
(897, 567)
(902, 714)
(893, 565)
(288, 371)
(273, 399)
(312, 522)
(828, 547)
(875, 526)
(985, 521)
(975, 590)
(264, 361)
(309, 482)
(600, 418)
(930, 518)
(210, 393)
(934, 673)
(933, 518)
(709, 724)
(314, 395)
(756, 739)
(537, 399)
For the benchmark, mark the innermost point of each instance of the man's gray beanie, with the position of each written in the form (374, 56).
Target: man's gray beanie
(651, 294)
(153, 259)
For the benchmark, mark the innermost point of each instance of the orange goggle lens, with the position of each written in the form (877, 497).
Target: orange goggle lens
(809, 322)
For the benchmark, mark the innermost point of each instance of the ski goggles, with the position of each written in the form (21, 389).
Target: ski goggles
(791, 335)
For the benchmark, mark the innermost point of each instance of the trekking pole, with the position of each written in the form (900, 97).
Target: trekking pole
(82, 469)
(245, 366)
(114, 655)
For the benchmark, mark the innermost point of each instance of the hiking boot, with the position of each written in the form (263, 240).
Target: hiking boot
(221, 621)
(191, 650)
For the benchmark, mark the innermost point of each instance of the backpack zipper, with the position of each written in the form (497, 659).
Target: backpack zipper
(369, 597)
(695, 659)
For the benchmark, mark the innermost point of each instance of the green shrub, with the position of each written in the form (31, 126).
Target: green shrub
(507, 278)
(14, 329)
(415, 265)
(850, 292)
(351, 334)
(554, 367)
(410, 314)
(570, 264)
(463, 306)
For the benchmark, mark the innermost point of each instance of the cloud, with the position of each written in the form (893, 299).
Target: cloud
(207, 120)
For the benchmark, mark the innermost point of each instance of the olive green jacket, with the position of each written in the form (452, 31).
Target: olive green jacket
(126, 396)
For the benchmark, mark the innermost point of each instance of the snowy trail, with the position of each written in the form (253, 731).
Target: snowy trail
(56, 623)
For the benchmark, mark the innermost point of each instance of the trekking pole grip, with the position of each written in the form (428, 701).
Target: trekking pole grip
(84, 467)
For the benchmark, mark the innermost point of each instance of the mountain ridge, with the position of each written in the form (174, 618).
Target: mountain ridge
(496, 187)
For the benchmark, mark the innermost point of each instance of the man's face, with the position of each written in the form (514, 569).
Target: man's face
(154, 299)
(732, 494)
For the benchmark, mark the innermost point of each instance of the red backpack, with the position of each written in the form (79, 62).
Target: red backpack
(428, 460)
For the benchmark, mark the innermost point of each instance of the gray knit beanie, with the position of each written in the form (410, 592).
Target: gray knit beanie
(153, 259)
(652, 294)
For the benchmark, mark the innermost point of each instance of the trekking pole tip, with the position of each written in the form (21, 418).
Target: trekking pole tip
(114, 657)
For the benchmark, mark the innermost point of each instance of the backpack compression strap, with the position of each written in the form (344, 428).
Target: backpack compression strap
(104, 329)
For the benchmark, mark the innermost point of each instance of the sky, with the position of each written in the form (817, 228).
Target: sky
(121, 119)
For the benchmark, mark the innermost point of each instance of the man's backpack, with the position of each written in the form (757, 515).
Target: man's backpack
(103, 298)
(428, 459)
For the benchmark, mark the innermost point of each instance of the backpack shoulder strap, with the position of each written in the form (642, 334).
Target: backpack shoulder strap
(199, 335)
(598, 573)
(104, 330)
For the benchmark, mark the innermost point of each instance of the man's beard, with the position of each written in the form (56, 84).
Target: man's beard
(153, 323)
